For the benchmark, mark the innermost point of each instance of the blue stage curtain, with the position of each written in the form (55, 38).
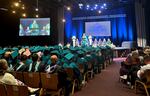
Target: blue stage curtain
(122, 29)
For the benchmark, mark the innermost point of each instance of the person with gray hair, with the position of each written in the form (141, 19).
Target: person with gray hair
(7, 78)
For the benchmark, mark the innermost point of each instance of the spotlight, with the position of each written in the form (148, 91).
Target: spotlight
(16, 4)
(96, 5)
(63, 20)
(80, 5)
(99, 11)
(87, 6)
(102, 7)
(104, 4)
(23, 7)
(36, 15)
(24, 14)
(36, 9)
(13, 12)
(68, 8)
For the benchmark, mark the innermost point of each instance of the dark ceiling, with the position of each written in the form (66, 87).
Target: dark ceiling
(55, 3)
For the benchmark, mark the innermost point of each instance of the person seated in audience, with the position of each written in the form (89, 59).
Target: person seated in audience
(21, 65)
(62, 76)
(144, 68)
(7, 78)
(53, 67)
(36, 65)
(8, 58)
(137, 72)
(129, 67)
(45, 56)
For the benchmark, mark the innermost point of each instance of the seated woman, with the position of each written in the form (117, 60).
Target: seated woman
(140, 72)
(8, 78)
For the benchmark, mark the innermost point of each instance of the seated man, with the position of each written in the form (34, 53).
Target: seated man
(36, 65)
(62, 76)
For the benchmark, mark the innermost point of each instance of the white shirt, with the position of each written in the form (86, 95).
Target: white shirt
(143, 68)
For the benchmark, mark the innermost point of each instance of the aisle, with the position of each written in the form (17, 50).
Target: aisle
(107, 84)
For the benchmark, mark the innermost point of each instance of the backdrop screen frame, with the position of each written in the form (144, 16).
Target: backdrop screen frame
(34, 27)
(98, 28)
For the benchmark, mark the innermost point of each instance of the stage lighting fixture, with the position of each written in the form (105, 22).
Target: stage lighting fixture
(36, 9)
(102, 7)
(96, 5)
(24, 15)
(68, 8)
(13, 12)
(16, 4)
(99, 11)
(80, 4)
(80, 7)
(23, 7)
(87, 6)
(104, 4)
(36, 15)
(63, 20)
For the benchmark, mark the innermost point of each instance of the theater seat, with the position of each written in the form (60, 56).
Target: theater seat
(15, 90)
(2, 90)
(50, 84)
(144, 82)
(32, 79)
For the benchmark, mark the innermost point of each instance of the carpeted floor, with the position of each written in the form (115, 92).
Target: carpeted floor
(107, 83)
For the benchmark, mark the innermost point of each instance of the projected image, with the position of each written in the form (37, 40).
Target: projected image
(34, 27)
(102, 28)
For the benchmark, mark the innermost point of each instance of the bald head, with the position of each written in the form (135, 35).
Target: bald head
(54, 58)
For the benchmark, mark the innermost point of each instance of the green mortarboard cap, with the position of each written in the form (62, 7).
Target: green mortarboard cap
(65, 52)
(26, 46)
(69, 56)
(32, 48)
(72, 49)
(14, 54)
(15, 49)
(2, 51)
(80, 52)
(55, 52)
(36, 49)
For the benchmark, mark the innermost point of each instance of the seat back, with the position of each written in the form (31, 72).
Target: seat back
(18, 75)
(15, 90)
(81, 67)
(32, 79)
(2, 90)
(90, 66)
(49, 81)
(70, 73)
(146, 77)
